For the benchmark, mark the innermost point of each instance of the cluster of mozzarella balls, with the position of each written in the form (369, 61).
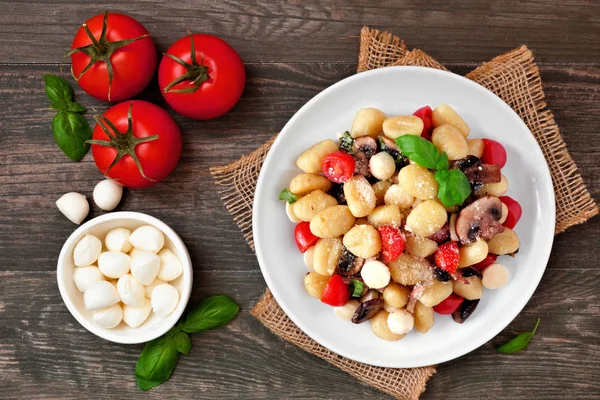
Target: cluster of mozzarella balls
(129, 278)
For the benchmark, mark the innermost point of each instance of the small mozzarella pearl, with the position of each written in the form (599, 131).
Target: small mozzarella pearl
(170, 266)
(149, 288)
(134, 252)
(309, 257)
(107, 194)
(74, 206)
(101, 294)
(382, 166)
(289, 210)
(164, 299)
(130, 291)
(114, 264)
(389, 308)
(145, 267)
(84, 277)
(494, 276)
(400, 322)
(346, 311)
(375, 274)
(108, 317)
(135, 316)
(118, 240)
(147, 238)
(87, 251)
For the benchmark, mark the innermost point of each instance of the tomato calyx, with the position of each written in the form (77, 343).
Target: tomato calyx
(101, 50)
(124, 143)
(196, 72)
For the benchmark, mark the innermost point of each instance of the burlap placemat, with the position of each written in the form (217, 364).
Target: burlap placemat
(515, 78)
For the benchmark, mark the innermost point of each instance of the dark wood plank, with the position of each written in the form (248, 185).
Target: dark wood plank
(46, 354)
(314, 30)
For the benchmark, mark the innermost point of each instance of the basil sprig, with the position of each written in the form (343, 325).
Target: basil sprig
(288, 196)
(69, 128)
(355, 288)
(453, 185)
(159, 356)
(519, 342)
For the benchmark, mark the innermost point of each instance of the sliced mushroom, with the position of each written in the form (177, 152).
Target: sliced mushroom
(337, 191)
(367, 310)
(442, 235)
(364, 147)
(389, 146)
(349, 265)
(465, 310)
(414, 296)
(468, 271)
(476, 172)
(480, 219)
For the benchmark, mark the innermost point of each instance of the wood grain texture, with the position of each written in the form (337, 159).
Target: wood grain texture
(294, 49)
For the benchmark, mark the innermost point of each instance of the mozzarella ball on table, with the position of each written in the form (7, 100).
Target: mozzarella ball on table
(107, 194)
(118, 240)
(135, 316)
(130, 291)
(108, 317)
(494, 276)
(87, 251)
(164, 299)
(149, 288)
(145, 267)
(375, 274)
(400, 322)
(382, 166)
(101, 294)
(74, 206)
(114, 264)
(170, 266)
(84, 277)
(147, 238)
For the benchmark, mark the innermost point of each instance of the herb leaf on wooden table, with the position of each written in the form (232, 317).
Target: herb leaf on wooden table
(519, 342)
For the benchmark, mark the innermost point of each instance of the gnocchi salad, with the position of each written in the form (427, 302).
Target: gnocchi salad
(403, 217)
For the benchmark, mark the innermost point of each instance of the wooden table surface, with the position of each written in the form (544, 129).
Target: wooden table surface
(292, 50)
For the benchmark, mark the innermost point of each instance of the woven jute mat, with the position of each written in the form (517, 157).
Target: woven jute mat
(515, 78)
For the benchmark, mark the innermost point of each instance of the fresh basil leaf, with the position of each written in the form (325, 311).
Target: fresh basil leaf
(420, 150)
(75, 107)
(212, 312)
(59, 105)
(58, 89)
(453, 187)
(443, 162)
(70, 131)
(356, 288)
(182, 342)
(156, 363)
(519, 342)
(347, 142)
(288, 196)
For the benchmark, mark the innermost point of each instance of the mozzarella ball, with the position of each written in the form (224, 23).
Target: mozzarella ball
(114, 264)
(309, 256)
(134, 252)
(382, 166)
(87, 251)
(149, 288)
(164, 299)
(145, 267)
(375, 274)
(130, 291)
(494, 276)
(101, 294)
(84, 277)
(108, 317)
(170, 266)
(346, 311)
(400, 322)
(118, 240)
(289, 210)
(107, 194)
(74, 206)
(135, 316)
(147, 238)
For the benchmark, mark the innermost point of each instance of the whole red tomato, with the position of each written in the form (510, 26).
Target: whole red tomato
(136, 143)
(113, 57)
(201, 76)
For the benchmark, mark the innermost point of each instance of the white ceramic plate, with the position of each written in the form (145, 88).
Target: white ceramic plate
(401, 91)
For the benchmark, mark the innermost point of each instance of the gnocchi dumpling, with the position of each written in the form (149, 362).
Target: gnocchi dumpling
(310, 161)
(444, 114)
(418, 182)
(367, 122)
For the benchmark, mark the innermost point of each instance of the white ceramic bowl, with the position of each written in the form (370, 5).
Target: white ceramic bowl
(398, 91)
(154, 326)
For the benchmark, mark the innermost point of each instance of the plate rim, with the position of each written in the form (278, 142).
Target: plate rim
(451, 354)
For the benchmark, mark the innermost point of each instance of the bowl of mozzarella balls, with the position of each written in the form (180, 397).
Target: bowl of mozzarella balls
(125, 276)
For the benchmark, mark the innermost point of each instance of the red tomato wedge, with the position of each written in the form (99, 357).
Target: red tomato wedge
(425, 114)
(338, 166)
(446, 256)
(449, 305)
(493, 153)
(304, 237)
(514, 211)
(392, 243)
(486, 262)
(336, 292)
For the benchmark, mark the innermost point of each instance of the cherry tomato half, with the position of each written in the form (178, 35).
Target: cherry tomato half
(338, 166)
(425, 114)
(392, 243)
(449, 305)
(514, 211)
(336, 292)
(446, 256)
(304, 237)
(493, 153)
(486, 262)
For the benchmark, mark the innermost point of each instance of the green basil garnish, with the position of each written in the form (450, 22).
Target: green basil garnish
(288, 196)
(519, 342)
